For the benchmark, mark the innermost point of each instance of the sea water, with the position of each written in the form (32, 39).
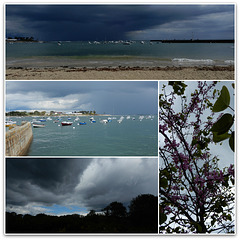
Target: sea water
(98, 54)
(128, 138)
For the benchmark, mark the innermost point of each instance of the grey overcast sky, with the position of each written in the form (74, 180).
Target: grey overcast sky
(114, 22)
(66, 186)
(113, 97)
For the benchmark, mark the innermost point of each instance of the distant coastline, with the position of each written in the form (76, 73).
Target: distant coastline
(196, 41)
(116, 60)
(162, 41)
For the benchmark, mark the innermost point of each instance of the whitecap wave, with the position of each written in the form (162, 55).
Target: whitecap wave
(229, 62)
(187, 60)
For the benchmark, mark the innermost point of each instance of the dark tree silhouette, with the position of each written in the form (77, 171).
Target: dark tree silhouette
(115, 209)
(143, 211)
(142, 218)
(92, 213)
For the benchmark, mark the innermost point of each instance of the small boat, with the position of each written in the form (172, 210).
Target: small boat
(82, 123)
(92, 120)
(66, 123)
(36, 122)
(10, 123)
(104, 121)
(35, 125)
(42, 120)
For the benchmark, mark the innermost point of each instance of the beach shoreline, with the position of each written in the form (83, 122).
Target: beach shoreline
(121, 73)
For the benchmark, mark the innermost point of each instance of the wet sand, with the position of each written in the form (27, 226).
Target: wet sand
(121, 73)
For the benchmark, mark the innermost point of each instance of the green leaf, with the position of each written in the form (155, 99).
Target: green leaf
(163, 183)
(223, 124)
(213, 222)
(223, 101)
(218, 138)
(229, 217)
(231, 141)
(214, 92)
(162, 218)
(178, 87)
(201, 145)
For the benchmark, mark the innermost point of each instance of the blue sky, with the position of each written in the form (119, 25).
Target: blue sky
(112, 97)
(62, 210)
(120, 21)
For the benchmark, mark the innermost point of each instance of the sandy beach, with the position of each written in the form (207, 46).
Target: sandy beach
(121, 73)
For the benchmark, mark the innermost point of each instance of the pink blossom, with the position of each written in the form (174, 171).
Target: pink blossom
(168, 209)
(175, 187)
(163, 128)
(231, 170)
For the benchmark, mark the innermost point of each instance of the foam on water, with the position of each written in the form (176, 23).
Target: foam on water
(230, 62)
(85, 54)
(193, 62)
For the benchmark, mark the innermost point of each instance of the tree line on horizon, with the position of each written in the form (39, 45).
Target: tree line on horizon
(25, 39)
(141, 217)
(43, 113)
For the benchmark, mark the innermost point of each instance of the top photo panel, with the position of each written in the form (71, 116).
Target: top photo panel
(84, 42)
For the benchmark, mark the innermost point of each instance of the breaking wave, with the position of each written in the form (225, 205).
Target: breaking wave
(187, 60)
(231, 62)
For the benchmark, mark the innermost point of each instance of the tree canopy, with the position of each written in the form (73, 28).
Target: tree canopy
(114, 219)
(196, 196)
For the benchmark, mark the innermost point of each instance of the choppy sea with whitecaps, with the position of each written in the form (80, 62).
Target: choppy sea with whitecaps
(117, 53)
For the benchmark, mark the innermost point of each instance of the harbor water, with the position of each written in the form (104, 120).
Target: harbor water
(112, 54)
(132, 136)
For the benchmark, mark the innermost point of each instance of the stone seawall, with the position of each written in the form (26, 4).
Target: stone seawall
(18, 140)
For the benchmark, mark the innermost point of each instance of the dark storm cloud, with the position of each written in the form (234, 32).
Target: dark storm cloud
(64, 88)
(89, 183)
(100, 22)
(55, 176)
(109, 180)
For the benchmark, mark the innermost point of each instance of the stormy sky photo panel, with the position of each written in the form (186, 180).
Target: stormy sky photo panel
(76, 185)
(120, 22)
(112, 97)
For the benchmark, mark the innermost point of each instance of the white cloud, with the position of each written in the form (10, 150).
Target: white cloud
(40, 101)
(108, 180)
(92, 186)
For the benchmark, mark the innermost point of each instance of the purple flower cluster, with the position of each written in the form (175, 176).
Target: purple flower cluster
(163, 128)
(195, 181)
(231, 170)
